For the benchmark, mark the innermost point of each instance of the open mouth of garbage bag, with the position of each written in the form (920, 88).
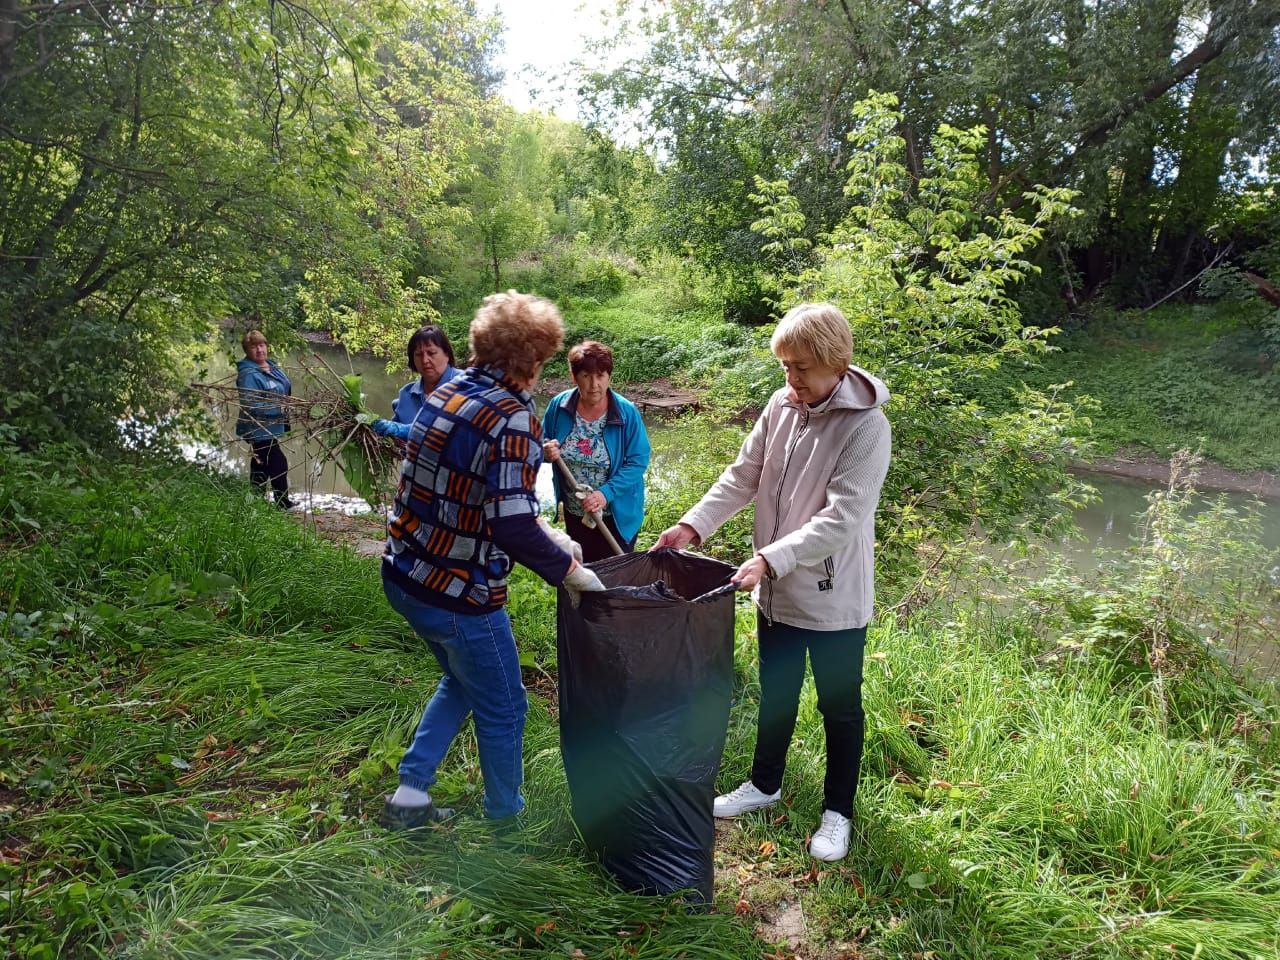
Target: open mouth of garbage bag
(646, 677)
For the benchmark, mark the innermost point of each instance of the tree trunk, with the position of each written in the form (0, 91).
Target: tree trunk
(1132, 226)
(1211, 122)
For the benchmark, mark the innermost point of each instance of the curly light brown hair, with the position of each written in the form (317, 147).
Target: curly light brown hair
(516, 332)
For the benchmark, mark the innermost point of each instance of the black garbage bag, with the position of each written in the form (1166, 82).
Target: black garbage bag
(646, 673)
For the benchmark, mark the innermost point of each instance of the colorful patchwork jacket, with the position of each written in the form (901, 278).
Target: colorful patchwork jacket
(466, 507)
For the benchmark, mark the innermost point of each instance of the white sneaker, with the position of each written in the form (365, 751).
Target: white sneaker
(831, 841)
(743, 800)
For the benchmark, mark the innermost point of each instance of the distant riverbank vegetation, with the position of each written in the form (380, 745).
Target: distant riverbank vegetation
(352, 168)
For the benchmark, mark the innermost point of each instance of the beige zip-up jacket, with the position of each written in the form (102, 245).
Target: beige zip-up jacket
(815, 475)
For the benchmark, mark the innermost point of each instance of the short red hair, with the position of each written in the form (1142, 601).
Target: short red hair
(590, 356)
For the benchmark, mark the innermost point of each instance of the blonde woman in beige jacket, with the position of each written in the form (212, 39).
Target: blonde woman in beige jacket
(813, 465)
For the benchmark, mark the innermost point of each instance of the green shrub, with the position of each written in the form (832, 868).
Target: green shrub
(572, 271)
(926, 275)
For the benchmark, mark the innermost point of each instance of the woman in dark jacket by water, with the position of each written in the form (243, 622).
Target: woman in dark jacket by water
(263, 420)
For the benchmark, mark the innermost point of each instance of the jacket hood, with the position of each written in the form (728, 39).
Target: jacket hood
(857, 390)
(244, 363)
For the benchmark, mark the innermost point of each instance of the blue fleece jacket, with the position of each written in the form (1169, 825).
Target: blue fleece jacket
(628, 444)
(406, 405)
(261, 418)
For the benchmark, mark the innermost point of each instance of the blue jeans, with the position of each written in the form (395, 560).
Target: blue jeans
(477, 654)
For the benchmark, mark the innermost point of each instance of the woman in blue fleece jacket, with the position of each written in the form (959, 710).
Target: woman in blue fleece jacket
(263, 421)
(603, 441)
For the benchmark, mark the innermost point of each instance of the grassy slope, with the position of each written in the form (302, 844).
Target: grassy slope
(211, 704)
(650, 340)
(1175, 377)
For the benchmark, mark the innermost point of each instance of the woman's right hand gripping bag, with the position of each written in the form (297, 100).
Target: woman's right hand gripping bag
(646, 676)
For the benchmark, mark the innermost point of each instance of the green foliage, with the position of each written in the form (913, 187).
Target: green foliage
(926, 279)
(183, 180)
(1152, 110)
(1173, 377)
(1240, 284)
(548, 205)
(692, 451)
(1189, 602)
(570, 271)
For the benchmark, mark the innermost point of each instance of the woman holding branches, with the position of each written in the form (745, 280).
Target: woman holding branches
(263, 420)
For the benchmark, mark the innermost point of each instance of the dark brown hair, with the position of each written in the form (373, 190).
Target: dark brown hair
(431, 333)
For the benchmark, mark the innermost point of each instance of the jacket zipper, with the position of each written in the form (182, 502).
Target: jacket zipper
(777, 506)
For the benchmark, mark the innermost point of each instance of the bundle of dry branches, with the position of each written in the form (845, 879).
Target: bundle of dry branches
(327, 409)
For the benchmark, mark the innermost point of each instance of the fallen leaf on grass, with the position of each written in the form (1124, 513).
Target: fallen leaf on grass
(542, 928)
(806, 878)
(768, 848)
(743, 909)
(857, 884)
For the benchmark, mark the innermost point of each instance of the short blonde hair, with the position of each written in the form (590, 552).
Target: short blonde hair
(250, 338)
(818, 330)
(515, 332)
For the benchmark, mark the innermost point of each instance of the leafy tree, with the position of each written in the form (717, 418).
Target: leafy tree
(507, 190)
(1097, 97)
(203, 161)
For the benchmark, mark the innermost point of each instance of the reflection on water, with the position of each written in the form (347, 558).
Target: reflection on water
(1113, 522)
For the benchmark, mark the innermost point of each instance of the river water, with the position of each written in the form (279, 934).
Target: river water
(1109, 523)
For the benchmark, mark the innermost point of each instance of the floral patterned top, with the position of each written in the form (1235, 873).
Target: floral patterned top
(585, 453)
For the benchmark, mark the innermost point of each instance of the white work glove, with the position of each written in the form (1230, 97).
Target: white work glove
(579, 581)
(581, 494)
(562, 539)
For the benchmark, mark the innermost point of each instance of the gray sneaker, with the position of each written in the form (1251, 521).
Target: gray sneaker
(744, 799)
(396, 817)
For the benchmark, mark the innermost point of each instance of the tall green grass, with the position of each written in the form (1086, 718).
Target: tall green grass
(204, 707)
(651, 336)
(1176, 377)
